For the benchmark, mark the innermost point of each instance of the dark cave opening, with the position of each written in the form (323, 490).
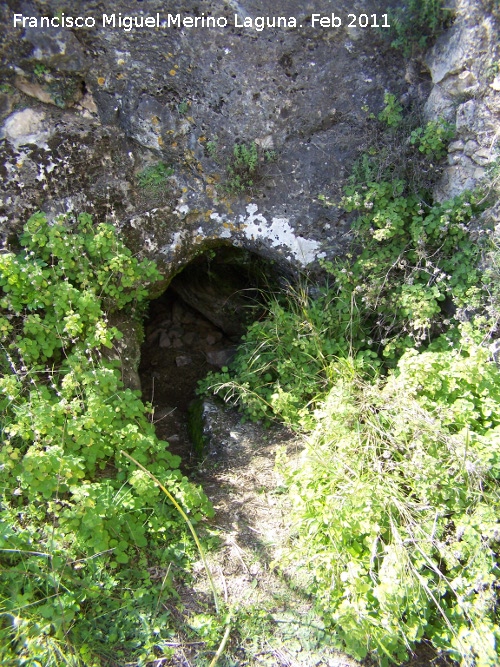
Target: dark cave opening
(193, 328)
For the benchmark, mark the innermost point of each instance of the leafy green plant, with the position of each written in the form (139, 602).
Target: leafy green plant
(40, 70)
(396, 517)
(79, 526)
(395, 498)
(433, 139)
(418, 22)
(241, 171)
(285, 361)
(183, 107)
(212, 148)
(392, 113)
(414, 257)
(154, 177)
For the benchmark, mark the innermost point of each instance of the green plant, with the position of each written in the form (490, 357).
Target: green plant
(187, 521)
(242, 170)
(395, 499)
(153, 178)
(40, 70)
(492, 69)
(418, 22)
(183, 107)
(414, 257)
(79, 527)
(212, 148)
(433, 139)
(392, 113)
(396, 517)
(285, 361)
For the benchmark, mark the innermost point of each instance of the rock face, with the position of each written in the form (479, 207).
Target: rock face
(464, 67)
(189, 138)
(91, 117)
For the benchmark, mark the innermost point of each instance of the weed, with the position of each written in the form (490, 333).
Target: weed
(154, 177)
(183, 107)
(417, 24)
(392, 113)
(212, 148)
(433, 139)
(80, 527)
(395, 520)
(40, 70)
(395, 499)
(242, 170)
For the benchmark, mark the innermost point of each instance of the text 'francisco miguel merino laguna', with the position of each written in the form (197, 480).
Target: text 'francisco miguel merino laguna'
(258, 23)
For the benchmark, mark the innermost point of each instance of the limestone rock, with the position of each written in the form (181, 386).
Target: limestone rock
(458, 64)
(185, 98)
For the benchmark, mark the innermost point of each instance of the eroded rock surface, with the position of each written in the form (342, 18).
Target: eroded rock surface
(184, 98)
(463, 65)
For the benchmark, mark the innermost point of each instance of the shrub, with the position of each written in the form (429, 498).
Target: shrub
(417, 24)
(395, 498)
(242, 169)
(80, 526)
(433, 139)
(285, 361)
(395, 516)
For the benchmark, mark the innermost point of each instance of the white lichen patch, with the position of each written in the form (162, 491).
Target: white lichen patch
(276, 233)
(280, 234)
(26, 127)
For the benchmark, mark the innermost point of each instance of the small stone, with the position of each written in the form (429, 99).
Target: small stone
(165, 340)
(24, 127)
(266, 143)
(496, 83)
(455, 146)
(213, 338)
(153, 336)
(482, 157)
(183, 360)
(220, 358)
(188, 318)
(176, 332)
(177, 312)
(189, 338)
(471, 147)
(466, 113)
(87, 102)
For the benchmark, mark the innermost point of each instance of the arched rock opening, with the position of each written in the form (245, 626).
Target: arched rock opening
(193, 328)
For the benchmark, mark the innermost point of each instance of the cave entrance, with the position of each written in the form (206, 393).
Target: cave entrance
(193, 328)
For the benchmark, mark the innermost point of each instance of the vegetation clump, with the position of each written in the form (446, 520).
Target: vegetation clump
(81, 526)
(387, 371)
(154, 177)
(241, 170)
(416, 24)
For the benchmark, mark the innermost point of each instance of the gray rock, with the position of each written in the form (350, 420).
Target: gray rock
(220, 358)
(163, 95)
(183, 360)
(165, 340)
